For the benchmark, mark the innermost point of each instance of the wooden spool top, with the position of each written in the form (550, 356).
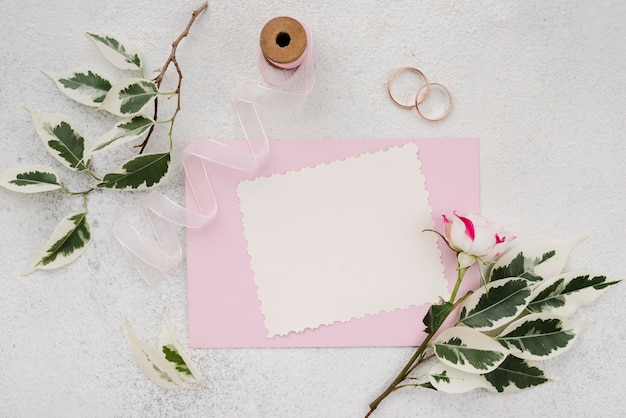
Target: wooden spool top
(283, 40)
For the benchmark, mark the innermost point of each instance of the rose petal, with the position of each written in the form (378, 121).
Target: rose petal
(469, 227)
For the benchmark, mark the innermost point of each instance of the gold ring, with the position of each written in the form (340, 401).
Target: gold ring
(418, 102)
(412, 105)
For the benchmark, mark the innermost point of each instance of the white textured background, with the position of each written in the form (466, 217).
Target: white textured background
(540, 83)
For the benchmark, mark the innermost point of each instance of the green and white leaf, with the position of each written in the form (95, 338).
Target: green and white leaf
(540, 336)
(140, 172)
(67, 242)
(154, 365)
(534, 261)
(62, 140)
(436, 316)
(468, 350)
(496, 304)
(122, 55)
(123, 132)
(450, 380)
(129, 97)
(174, 354)
(565, 293)
(88, 87)
(30, 179)
(513, 375)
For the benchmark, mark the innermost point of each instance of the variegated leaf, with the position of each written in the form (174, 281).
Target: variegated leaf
(129, 97)
(154, 365)
(436, 316)
(468, 350)
(123, 132)
(122, 55)
(534, 261)
(30, 179)
(63, 141)
(139, 172)
(513, 375)
(173, 353)
(88, 87)
(450, 380)
(539, 336)
(67, 242)
(496, 304)
(565, 293)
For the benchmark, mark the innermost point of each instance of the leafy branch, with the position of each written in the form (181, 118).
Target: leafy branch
(505, 327)
(127, 99)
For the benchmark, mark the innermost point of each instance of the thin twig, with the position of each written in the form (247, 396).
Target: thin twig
(420, 355)
(171, 59)
(422, 360)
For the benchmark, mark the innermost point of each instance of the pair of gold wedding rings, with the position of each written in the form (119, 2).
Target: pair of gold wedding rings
(421, 95)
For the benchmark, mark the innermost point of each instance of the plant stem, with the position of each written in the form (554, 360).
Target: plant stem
(402, 375)
(418, 356)
(85, 202)
(92, 174)
(461, 273)
(171, 59)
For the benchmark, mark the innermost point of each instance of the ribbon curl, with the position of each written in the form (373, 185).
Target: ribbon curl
(153, 259)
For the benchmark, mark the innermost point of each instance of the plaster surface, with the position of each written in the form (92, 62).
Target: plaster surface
(540, 83)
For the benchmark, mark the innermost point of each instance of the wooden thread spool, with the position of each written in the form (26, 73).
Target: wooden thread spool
(283, 42)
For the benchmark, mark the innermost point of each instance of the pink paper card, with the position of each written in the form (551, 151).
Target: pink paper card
(225, 309)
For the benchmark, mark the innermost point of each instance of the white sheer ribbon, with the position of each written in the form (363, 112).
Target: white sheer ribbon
(153, 257)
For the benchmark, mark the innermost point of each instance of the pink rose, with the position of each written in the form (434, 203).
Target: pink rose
(475, 238)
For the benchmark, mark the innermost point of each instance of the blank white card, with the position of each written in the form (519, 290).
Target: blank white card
(341, 240)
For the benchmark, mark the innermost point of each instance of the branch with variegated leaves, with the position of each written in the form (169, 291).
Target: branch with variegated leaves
(128, 99)
(516, 319)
